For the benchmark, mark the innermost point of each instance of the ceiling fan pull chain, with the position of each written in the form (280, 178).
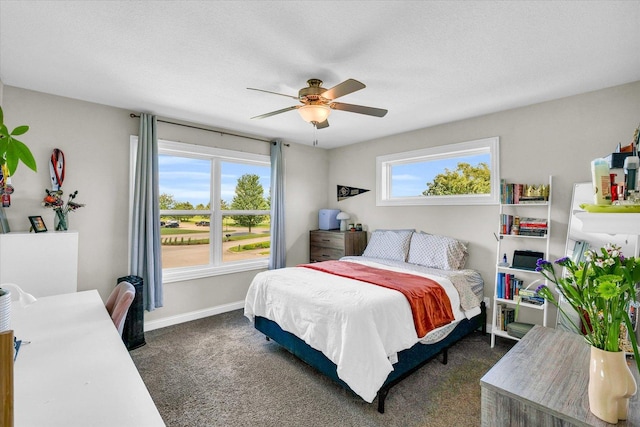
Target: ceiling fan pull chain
(315, 135)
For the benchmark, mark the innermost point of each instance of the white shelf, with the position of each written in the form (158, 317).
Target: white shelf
(609, 223)
(517, 270)
(518, 236)
(522, 304)
(507, 242)
(526, 204)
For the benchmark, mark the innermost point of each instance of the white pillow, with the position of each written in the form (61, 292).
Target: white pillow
(436, 251)
(389, 244)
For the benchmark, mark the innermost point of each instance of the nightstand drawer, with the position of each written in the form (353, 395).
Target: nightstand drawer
(329, 245)
(331, 240)
(325, 254)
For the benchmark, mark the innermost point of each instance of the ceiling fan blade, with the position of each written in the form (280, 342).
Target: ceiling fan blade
(369, 111)
(323, 125)
(273, 113)
(274, 93)
(342, 89)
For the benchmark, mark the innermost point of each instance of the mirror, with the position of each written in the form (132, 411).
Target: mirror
(579, 241)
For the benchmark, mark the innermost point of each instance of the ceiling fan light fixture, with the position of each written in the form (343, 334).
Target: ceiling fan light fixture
(314, 113)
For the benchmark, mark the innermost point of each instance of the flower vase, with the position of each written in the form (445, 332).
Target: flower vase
(61, 221)
(611, 384)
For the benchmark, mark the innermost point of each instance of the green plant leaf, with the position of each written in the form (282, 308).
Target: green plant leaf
(20, 130)
(12, 158)
(25, 154)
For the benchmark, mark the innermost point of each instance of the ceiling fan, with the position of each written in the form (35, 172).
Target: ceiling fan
(317, 102)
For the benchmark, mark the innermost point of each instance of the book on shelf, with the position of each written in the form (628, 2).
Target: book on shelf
(512, 194)
(530, 296)
(532, 300)
(508, 286)
(527, 293)
(504, 316)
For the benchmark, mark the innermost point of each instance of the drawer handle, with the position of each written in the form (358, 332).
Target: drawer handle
(326, 240)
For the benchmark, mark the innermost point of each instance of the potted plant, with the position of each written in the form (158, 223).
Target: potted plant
(13, 151)
(601, 290)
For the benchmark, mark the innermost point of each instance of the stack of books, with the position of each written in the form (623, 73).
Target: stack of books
(505, 315)
(530, 296)
(533, 227)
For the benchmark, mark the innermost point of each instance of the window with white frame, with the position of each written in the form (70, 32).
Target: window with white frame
(457, 174)
(214, 210)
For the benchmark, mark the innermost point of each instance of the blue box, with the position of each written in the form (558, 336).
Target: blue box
(327, 219)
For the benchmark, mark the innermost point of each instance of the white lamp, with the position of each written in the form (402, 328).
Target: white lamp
(314, 113)
(343, 217)
(6, 296)
(24, 298)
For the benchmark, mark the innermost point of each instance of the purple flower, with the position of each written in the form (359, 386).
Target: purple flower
(541, 287)
(562, 261)
(542, 262)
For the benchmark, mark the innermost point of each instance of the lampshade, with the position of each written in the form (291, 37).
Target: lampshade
(343, 215)
(317, 113)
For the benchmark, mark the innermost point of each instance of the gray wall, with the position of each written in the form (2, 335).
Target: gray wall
(557, 138)
(95, 141)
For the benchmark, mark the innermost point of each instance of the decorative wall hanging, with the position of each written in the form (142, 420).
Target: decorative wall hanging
(345, 192)
(56, 167)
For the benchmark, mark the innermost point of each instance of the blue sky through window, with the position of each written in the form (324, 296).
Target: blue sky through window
(189, 180)
(410, 179)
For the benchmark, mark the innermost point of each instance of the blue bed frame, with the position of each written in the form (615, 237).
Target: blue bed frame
(409, 360)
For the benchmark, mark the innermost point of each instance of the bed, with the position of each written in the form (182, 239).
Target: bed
(368, 337)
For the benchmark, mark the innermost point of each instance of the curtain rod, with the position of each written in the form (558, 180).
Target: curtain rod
(209, 130)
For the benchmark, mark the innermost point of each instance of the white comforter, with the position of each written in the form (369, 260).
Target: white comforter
(356, 325)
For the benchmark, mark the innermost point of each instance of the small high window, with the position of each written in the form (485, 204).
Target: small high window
(455, 174)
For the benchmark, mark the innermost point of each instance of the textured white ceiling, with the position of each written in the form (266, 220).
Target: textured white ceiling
(426, 62)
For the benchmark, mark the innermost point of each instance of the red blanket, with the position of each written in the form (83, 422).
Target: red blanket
(429, 302)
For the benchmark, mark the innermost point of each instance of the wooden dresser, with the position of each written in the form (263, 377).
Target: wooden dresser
(543, 381)
(333, 244)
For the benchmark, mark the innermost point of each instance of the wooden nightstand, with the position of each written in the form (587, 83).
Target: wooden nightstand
(332, 244)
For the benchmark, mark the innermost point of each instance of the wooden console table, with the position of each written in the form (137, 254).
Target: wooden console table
(543, 381)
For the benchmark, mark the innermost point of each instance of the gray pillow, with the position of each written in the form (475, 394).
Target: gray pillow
(389, 244)
(431, 250)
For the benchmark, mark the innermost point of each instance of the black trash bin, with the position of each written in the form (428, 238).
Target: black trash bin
(133, 332)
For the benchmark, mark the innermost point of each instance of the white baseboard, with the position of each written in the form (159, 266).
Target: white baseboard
(194, 315)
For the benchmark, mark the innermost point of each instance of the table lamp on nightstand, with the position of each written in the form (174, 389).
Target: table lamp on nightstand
(343, 217)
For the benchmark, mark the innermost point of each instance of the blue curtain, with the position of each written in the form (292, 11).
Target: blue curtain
(277, 259)
(145, 235)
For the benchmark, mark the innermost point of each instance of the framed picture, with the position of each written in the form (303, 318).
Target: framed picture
(37, 223)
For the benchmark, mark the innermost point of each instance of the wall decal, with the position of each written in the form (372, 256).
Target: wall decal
(345, 192)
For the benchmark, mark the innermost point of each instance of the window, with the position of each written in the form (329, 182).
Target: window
(214, 210)
(456, 174)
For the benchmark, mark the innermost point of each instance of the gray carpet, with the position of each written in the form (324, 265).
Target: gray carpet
(220, 371)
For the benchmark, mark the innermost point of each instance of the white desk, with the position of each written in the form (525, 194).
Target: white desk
(76, 370)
